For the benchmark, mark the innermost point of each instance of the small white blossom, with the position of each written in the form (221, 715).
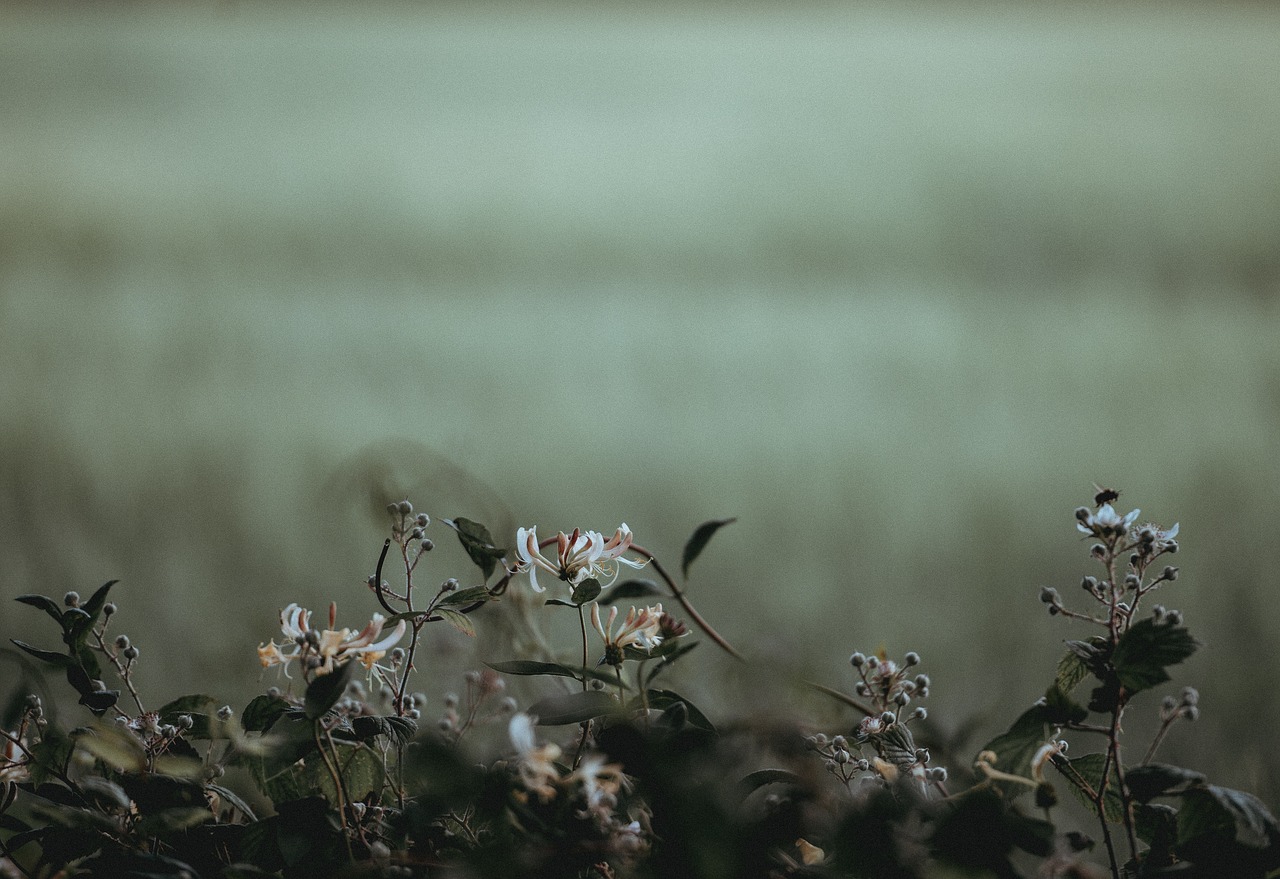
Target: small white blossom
(579, 556)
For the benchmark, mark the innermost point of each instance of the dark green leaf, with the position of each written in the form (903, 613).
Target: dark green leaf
(458, 620)
(232, 799)
(1156, 824)
(631, 589)
(399, 730)
(1071, 671)
(467, 596)
(1219, 813)
(93, 607)
(48, 605)
(50, 755)
(762, 777)
(360, 767)
(1085, 775)
(530, 667)
(99, 701)
(1015, 748)
(698, 542)
(156, 793)
(478, 543)
(560, 602)
(1146, 649)
(1060, 709)
(664, 699)
(196, 703)
(573, 707)
(262, 712)
(105, 794)
(61, 660)
(325, 691)
(87, 660)
(587, 590)
(1159, 780)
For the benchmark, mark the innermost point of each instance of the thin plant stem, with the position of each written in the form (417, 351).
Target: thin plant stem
(679, 596)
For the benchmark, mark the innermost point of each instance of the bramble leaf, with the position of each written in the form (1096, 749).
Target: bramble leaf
(663, 700)
(1087, 770)
(1015, 748)
(398, 730)
(59, 659)
(1153, 780)
(1146, 649)
(698, 542)
(467, 596)
(262, 712)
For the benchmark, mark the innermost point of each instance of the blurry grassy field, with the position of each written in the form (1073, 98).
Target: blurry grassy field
(893, 285)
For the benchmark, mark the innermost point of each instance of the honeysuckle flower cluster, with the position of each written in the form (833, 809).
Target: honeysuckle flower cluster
(641, 629)
(535, 764)
(579, 556)
(323, 650)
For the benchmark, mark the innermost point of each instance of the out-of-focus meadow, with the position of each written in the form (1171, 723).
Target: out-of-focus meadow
(891, 284)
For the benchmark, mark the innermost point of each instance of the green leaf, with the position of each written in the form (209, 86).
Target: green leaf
(360, 767)
(761, 777)
(1146, 649)
(698, 542)
(1153, 780)
(1213, 813)
(399, 730)
(559, 602)
(631, 589)
(1072, 669)
(115, 746)
(1060, 709)
(531, 667)
(1015, 748)
(262, 712)
(458, 620)
(1088, 770)
(48, 605)
(573, 707)
(232, 799)
(94, 605)
(325, 691)
(664, 699)
(467, 596)
(61, 660)
(587, 590)
(195, 703)
(478, 543)
(50, 755)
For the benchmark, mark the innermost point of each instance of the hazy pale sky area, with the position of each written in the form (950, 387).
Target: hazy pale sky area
(892, 284)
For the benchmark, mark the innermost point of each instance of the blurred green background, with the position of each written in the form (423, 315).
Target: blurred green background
(892, 284)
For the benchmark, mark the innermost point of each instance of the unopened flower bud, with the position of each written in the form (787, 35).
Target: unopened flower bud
(1049, 595)
(449, 585)
(842, 756)
(920, 713)
(1170, 573)
(1098, 551)
(861, 688)
(597, 685)
(889, 718)
(450, 700)
(404, 508)
(1191, 713)
(1173, 618)
(427, 545)
(1132, 581)
(902, 699)
(1089, 584)
(938, 773)
(414, 714)
(1168, 704)
(131, 653)
(109, 608)
(873, 661)
(857, 659)
(379, 849)
(1083, 514)
(71, 599)
(397, 655)
(415, 534)
(423, 520)
(1190, 696)
(122, 641)
(912, 658)
(922, 755)
(831, 766)
(922, 681)
(472, 677)
(185, 721)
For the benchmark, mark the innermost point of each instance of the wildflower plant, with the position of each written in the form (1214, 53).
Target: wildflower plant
(344, 767)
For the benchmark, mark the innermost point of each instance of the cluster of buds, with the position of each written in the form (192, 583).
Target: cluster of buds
(460, 715)
(888, 685)
(1187, 706)
(408, 529)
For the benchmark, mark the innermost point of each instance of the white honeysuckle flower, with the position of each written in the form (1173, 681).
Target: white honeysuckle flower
(641, 629)
(579, 556)
(535, 763)
(331, 646)
(600, 781)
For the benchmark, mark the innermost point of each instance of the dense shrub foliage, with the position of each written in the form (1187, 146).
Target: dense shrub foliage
(612, 772)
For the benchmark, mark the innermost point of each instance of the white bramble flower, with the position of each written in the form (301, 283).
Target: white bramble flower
(579, 556)
(331, 646)
(1104, 521)
(535, 763)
